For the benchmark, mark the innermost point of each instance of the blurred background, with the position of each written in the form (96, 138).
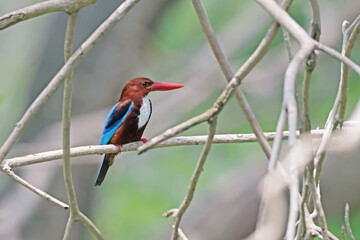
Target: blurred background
(162, 40)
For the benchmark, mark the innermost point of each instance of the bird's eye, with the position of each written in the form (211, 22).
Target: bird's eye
(145, 84)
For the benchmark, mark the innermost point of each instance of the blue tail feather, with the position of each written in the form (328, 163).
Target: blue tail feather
(103, 170)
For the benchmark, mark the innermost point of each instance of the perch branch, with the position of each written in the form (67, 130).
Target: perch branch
(70, 64)
(175, 141)
(41, 9)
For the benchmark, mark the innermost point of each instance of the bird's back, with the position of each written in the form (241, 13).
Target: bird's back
(134, 124)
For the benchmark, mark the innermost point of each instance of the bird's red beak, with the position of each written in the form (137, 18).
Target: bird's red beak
(164, 86)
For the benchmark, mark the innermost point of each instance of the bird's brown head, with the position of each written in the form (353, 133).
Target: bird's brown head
(142, 86)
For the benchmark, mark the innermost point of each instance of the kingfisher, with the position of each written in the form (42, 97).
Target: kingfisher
(127, 120)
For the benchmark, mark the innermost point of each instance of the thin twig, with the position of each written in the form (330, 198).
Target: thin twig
(315, 190)
(70, 64)
(331, 121)
(75, 213)
(194, 179)
(175, 141)
(338, 56)
(350, 35)
(287, 42)
(289, 104)
(68, 227)
(66, 116)
(347, 221)
(293, 208)
(90, 225)
(182, 235)
(41, 9)
(310, 64)
(343, 232)
(37, 191)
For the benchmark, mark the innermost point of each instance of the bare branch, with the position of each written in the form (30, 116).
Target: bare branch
(175, 141)
(338, 56)
(347, 221)
(90, 225)
(37, 191)
(75, 213)
(343, 232)
(66, 116)
(275, 151)
(68, 227)
(310, 64)
(194, 179)
(293, 208)
(350, 35)
(319, 208)
(289, 104)
(70, 64)
(331, 124)
(41, 9)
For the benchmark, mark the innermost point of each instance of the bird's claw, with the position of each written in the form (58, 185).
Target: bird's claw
(119, 148)
(144, 140)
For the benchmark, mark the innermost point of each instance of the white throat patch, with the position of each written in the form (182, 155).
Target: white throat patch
(145, 112)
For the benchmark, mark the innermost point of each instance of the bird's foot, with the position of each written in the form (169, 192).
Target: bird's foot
(119, 148)
(144, 140)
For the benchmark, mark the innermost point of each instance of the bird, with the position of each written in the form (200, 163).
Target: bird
(127, 120)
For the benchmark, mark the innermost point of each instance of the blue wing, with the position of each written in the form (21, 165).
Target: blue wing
(114, 120)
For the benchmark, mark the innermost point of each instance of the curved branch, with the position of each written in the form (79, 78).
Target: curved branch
(75, 213)
(41, 9)
(338, 56)
(44, 195)
(66, 115)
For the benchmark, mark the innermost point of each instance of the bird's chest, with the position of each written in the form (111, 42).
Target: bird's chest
(144, 112)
